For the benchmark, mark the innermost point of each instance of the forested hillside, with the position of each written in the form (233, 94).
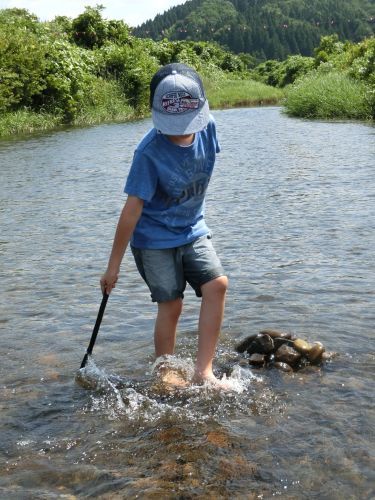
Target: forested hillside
(267, 29)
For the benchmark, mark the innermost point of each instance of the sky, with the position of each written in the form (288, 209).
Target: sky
(133, 12)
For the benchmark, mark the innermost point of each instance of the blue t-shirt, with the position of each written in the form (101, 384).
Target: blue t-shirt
(172, 180)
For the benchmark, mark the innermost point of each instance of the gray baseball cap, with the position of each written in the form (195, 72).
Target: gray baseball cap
(178, 102)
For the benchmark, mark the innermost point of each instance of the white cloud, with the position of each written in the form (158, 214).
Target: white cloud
(133, 12)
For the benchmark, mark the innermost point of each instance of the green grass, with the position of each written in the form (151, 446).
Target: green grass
(329, 96)
(104, 103)
(229, 93)
(26, 122)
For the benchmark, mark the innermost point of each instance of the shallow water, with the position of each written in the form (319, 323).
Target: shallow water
(291, 206)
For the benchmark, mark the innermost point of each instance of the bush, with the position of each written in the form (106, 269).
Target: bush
(293, 68)
(328, 95)
(104, 101)
(22, 54)
(132, 67)
(280, 74)
(268, 72)
(68, 76)
(90, 30)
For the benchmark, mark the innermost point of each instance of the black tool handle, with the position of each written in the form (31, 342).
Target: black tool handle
(96, 329)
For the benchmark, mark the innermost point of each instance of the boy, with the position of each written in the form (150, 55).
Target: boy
(163, 216)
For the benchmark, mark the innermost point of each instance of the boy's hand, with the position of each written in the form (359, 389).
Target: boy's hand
(108, 281)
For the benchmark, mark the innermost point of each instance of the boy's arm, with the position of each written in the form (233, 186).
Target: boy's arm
(128, 219)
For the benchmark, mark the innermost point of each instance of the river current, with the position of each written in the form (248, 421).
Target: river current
(291, 206)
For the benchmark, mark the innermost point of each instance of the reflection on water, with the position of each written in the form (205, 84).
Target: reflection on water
(291, 207)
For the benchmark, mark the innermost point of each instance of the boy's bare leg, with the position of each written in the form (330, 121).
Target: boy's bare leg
(210, 319)
(166, 326)
(165, 338)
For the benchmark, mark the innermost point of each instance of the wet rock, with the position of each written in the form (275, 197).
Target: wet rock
(287, 354)
(284, 367)
(316, 352)
(278, 342)
(263, 344)
(302, 346)
(257, 359)
(276, 334)
(274, 348)
(87, 380)
(279, 338)
(244, 362)
(245, 343)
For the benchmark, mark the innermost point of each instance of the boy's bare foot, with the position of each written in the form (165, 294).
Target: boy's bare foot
(212, 381)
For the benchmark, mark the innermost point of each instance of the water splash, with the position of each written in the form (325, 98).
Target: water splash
(153, 398)
(109, 396)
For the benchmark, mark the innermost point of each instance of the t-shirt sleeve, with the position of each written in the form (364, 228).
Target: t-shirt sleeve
(142, 179)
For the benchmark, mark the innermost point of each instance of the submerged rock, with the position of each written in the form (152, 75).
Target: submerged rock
(287, 354)
(328, 356)
(284, 367)
(257, 359)
(244, 362)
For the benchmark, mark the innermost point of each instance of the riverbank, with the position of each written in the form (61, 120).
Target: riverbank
(221, 93)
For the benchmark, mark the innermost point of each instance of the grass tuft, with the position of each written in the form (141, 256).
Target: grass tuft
(26, 122)
(104, 103)
(329, 96)
(228, 93)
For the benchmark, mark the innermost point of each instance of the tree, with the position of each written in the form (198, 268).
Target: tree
(89, 29)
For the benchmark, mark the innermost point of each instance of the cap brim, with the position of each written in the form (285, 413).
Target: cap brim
(182, 123)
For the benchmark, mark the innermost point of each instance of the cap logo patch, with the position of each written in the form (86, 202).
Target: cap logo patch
(179, 102)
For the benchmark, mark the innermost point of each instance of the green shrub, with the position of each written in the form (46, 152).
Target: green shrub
(68, 76)
(103, 102)
(293, 68)
(132, 67)
(328, 95)
(22, 59)
(361, 60)
(280, 74)
(90, 30)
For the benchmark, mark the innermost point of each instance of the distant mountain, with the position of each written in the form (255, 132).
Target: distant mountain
(268, 29)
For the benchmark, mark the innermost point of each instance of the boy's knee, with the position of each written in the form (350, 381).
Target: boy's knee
(217, 286)
(171, 308)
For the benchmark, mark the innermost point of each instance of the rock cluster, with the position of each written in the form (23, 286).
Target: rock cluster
(281, 350)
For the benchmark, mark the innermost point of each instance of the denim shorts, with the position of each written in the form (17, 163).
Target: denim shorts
(167, 271)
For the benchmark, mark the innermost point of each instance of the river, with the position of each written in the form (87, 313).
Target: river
(291, 206)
